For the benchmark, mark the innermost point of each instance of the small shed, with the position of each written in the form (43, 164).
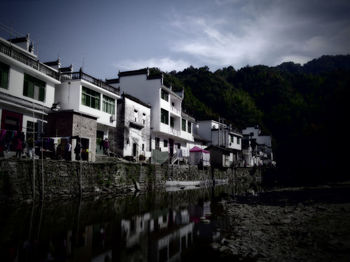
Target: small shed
(199, 156)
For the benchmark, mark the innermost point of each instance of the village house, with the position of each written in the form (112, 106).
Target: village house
(171, 129)
(90, 104)
(133, 128)
(257, 147)
(27, 91)
(225, 143)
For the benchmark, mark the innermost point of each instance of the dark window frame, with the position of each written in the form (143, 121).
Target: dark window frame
(4, 75)
(34, 88)
(90, 99)
(164, 116)
(108, 104)
(164, 95)
(183, 126)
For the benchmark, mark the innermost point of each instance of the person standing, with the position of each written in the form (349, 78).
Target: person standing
(68, 151)
(106, 146)
(77, 151)
(19, 147)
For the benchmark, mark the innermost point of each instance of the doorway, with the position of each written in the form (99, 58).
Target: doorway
(171, 146)
(99, 142)
(134, 149)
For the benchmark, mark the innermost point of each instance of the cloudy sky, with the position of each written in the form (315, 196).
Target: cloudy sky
(105, 36)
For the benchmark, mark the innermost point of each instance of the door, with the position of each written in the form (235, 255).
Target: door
(99, 142)
(134, 149)
(171, 146)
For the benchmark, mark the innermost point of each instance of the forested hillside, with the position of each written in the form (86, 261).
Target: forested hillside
(304, 108)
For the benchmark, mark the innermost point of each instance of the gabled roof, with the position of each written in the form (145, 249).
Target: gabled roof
(221, 149)
(19, 39)
(112, 81)
(53, 63)
(199, 138)
(187, 117)
(143, 71)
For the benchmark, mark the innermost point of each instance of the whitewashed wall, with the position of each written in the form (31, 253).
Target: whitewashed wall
(69, 95)
(138, 136)
(16, 80)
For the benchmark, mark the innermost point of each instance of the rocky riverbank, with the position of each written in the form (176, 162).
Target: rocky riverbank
(279, 230)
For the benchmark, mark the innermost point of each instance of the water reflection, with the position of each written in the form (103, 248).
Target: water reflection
(155, 227)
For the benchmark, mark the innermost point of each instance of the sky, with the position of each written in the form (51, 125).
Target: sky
(107, 36)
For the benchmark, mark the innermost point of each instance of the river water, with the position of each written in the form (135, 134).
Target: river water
(158, 226)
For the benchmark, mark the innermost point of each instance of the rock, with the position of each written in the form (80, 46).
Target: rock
(215, 245)
(224, 249)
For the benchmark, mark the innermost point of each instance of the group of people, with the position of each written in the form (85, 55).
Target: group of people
(45, 147)
(64, 150)
(14, 141)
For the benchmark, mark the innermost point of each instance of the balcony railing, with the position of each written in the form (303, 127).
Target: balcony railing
(12, 52)
(175, 110)
(175, 132)
(83, 76)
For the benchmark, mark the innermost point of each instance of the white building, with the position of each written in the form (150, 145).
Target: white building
(133, 125)
(171, 130)
(220, 134)
(225, 143)
(84, 94)
(27, 88)
(258, 147)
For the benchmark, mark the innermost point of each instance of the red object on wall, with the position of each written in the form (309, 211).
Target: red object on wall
(11, 121)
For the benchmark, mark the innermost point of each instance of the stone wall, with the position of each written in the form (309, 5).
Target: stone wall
(61, 179)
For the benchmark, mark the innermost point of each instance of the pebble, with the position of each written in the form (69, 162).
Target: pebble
(289, 233)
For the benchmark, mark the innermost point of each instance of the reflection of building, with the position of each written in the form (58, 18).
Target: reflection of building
(172, 245)
(168, 233)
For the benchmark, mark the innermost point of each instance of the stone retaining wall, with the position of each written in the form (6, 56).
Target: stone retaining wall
(61, 179)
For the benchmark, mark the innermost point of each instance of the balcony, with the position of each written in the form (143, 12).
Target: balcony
(136, 125)
(97, 82)
(174, 132)
(14, 53)
(175, 110)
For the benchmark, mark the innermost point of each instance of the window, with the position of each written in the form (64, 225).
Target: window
(189, 127)
(238, 140)
(4, 75)
(232, 138)
(183, 124)
(172, 122)
(164, 116)
(90, 98)
(178, 145)
(34, 88)
(135, 115)
(108, 105)
(144, 118)
(157, 142)
(164, 95)
(165, 143)
(143, 147)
